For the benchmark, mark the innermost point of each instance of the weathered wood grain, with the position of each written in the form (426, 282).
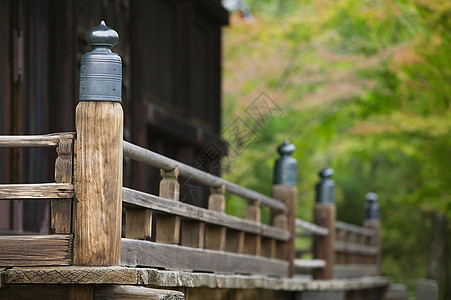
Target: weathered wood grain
(140, 199)
(98, 183)
(33, 141)
(135, 293)
(138, 223)
(159, 161)
(35, 250)
(36, 191)
(160, 278)
(33, 292)
(61, 210)
(192, 234)
(150, 254)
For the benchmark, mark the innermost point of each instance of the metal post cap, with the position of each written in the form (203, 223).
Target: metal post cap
(101, 69)
(325, 188)
(371, 206)
(285, 169)
(102, 35)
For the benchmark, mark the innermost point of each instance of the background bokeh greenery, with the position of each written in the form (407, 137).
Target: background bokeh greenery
(365, 88)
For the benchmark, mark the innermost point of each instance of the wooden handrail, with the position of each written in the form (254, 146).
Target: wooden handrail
(34, 141)
(312, 228)
(159, 161)
(354, 228)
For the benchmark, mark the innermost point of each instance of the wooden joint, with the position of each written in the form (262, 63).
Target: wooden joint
(253, 210)
(172, 174)
(169, 185)
(217, 189)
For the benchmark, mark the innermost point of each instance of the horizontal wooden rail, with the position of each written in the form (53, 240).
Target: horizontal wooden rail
(312, 228)
(159, 161)
(355, 270)
(33, 141)
(309, 263)
(37, 191)
(150, 254)
(35, 250)
(136, 198)
(355, 248)
(354, 228)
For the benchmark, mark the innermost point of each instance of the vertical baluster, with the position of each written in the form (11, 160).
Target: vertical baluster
(168, 226)
(372, 222)
(350, 239)
(252, 244)
(339, 255)
(324, 215)
(284, 189)
(215, 236)
(61, 209)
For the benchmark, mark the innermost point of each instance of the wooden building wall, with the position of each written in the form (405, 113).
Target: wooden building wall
(171, 52)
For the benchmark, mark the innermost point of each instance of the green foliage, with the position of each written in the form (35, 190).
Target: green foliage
(365, 89)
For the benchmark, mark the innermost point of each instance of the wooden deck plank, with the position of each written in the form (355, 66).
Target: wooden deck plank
(150, 254)
(36, 191)
(166, 279)
(136, 198)
(35, 250)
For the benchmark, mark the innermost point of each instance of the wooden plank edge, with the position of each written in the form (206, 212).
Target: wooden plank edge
(173, 279)
(36, 191)
(174, 257)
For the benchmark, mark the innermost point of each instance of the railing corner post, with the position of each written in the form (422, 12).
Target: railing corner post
(98, 173)
(284, 189)
(372, 221)
(324, 215)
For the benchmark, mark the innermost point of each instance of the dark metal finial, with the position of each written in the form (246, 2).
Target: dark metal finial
(101, 69)
(371, 206)
(285, 169)
(286, 148)
(325, 188)
(326, 173)
(102, 35)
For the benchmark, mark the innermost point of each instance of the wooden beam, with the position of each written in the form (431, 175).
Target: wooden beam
(35, 250)
(135, 198)
(143, 253)
(134, 292)
(36, 191)
(33, 141)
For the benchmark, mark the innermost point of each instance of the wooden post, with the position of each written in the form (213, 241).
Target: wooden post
(168, 226)
(61, 209)
(252, 244)
(284, 189)
(98, 173)
(372, 221)
(215, 236)
(324, 215)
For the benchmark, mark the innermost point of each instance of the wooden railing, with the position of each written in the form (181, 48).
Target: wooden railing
(160, 231)
(194, 238)
(42, 250)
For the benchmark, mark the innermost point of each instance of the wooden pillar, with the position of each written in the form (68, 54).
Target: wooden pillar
(98, 173)
(284, 189)
(215, 236)
(168, 226)
(372, 221)
(324, 215)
